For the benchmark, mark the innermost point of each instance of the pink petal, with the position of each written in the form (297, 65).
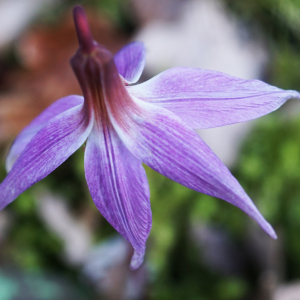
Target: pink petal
(49, 148)
(163, 142)
(130, 61)
(26, 135)
(119, 188)
(205, 98)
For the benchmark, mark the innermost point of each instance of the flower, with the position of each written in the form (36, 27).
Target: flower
(126, 125)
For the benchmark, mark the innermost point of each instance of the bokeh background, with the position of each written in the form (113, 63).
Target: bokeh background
(55, 245)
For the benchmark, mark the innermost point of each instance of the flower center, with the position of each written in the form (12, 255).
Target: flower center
(98, 77)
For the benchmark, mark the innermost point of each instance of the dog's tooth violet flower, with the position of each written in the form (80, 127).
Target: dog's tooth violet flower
(125, 126)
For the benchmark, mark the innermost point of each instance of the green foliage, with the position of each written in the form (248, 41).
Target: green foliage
(30, 244)
(117, 11)
(275, 144)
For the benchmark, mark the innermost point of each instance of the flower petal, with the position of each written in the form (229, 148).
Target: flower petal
(49, 148)
(37, 124)
(119, 188)
(206, 99)
(166, 144)
(130, 61)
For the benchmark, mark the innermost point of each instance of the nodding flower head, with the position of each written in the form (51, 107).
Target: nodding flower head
(125, 125)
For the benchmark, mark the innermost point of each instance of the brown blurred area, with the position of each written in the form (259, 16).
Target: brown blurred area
(44, 74)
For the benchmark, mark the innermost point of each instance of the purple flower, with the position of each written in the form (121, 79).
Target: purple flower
(126, 125)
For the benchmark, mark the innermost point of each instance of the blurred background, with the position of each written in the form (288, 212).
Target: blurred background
(55, 245)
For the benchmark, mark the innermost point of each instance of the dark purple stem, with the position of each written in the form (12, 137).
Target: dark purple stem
(83, 31)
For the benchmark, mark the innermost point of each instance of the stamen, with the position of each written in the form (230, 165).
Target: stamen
(85, 39)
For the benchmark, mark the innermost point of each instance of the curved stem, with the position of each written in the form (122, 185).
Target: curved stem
(83, 31)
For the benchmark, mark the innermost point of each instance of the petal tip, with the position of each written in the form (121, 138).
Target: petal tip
(137, 259)
(269, 230)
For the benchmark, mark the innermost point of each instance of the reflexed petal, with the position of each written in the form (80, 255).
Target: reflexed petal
(39, 122)
(166, 144)
(130, 61)
(119, 188)
(49, 148)
(205, 98)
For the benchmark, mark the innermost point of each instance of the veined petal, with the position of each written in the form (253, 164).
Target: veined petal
(26, 135)
(166, 144)
(48, 149)
(119, 187)
(206, 98)
(130, 61)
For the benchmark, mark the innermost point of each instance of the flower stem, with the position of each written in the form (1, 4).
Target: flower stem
(84, 35)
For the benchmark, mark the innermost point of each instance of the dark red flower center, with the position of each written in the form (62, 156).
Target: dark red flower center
(98, 77)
